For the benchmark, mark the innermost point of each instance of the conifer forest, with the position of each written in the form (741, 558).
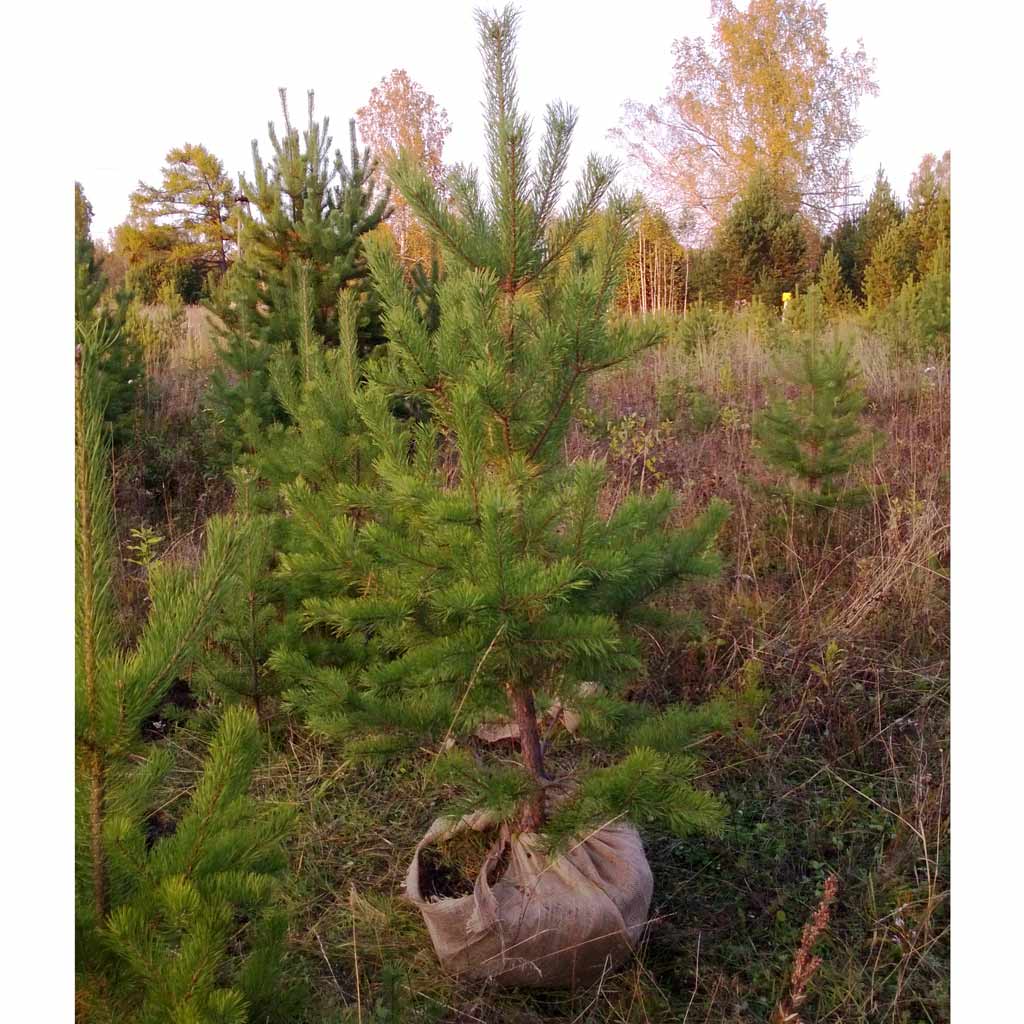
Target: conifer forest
(507, 595)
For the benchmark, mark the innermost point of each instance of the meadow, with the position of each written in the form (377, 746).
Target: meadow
(520, 604)
(844, 619)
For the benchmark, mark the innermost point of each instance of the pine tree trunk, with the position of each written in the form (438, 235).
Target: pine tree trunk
(99, 864)
(533, 756)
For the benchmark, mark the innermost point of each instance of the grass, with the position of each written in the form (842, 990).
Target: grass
(846, 618)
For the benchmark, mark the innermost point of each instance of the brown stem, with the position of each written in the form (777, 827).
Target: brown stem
(99, 866)
(533, 755)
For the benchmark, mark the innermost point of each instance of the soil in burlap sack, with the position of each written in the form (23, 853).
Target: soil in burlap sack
(551, 923)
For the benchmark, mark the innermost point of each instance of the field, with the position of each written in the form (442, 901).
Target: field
(842, 616)
(502, 601)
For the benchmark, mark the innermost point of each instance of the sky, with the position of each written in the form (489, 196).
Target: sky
(157, 76)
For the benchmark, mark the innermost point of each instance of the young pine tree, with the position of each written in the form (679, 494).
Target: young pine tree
(175, 929)
(306, 208)
(473, 574)
(834, 294)
(306, 468)
(233, 663)
(881, 213)
(121, 363)
(819, 437)
(890, 267)
(761, 243)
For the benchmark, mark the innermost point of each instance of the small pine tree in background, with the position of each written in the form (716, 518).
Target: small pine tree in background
(314, 211)
(881, 213)
(308, 468)
(934, 310)
(178, 928)
(761, 243)
(315, 387)
(834, 293)
(473, 574)
(121, 367)
(891, 265)
(818, 437)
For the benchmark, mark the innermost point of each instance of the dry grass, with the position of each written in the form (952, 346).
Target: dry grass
(847, 617)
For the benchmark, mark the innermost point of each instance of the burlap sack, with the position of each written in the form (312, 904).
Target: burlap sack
(545, 923)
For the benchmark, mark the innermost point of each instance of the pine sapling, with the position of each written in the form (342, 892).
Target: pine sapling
(473, 575)
(168, 909)
(233, 662)
(818, 437)
(303, 207)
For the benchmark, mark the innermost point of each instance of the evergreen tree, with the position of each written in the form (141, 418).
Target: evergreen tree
(309, 464)
(834, 293)
(89, 282)
(843, 240)
(159, 932)
(881, 213)
(761, 244)
(819, 437)
(181, 230)
(302, 208)
(473, 574)
(927, 225)
(934, 310)
(233, 663)
(891, 265)
(120, 368)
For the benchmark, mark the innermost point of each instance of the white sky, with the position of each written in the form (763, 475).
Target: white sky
(158, 76)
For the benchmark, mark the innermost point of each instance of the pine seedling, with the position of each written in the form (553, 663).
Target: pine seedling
(170, 919)
(834, 292)
(818, 437)
(315, 386)
(474, 574)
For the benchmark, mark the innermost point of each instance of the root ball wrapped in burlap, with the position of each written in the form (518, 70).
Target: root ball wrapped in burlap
(545, 922)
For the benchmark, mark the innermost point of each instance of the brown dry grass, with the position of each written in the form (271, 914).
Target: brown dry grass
(847, 618)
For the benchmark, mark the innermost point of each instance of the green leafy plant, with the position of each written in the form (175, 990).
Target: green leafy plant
(143, 546)
(634, 446)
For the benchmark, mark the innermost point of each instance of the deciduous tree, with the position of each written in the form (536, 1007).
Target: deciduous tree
(401, 115)
(768, 90)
